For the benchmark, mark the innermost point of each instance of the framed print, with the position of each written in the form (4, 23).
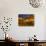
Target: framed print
(26, 20)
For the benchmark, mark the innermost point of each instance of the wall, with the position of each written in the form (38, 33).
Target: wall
(11, 8)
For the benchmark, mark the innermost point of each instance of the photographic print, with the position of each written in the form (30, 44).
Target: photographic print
(26, 19)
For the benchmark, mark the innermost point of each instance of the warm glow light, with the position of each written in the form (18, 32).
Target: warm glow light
(7, 35)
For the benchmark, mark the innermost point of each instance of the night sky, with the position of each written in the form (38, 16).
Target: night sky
(25, 15)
